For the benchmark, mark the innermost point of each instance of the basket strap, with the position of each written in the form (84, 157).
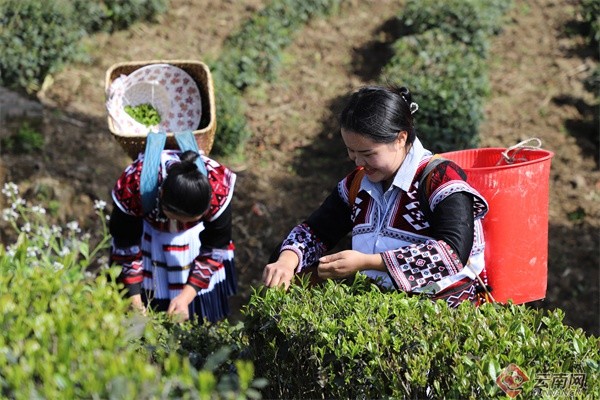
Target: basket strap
(355, 187)
(433, 162)
(186, 141)
(155, 143)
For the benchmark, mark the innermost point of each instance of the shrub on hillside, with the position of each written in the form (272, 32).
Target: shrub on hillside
(258, 45)
(590, 10)
(449, 82)
(253, 54)
(353, 341)
(113, 15)
(36, 39)
(68, 333)
(469, 21)
(232, 129)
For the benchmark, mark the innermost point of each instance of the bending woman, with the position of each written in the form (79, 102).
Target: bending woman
(178, 257)
(415, 239)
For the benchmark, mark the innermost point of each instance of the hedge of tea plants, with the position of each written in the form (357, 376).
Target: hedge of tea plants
(350, 340)
(67, 332)
(38, 38)
(252, 55)
(443, 61)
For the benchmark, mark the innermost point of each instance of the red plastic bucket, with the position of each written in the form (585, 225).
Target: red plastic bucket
(516, 226)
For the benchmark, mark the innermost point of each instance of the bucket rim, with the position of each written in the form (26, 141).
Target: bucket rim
(548, 156)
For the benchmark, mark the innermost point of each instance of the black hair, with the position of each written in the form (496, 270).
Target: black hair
(186, 191)
(380, 113)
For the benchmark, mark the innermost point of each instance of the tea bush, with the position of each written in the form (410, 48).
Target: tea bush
(469, 21)
(354, 341)
(590, 10)
(26, 140)
(38, 38)
(68, 333)
(113, 15)
(449, 82)
(253, 54)
(443, 61)
(232, 129)
(257, 47)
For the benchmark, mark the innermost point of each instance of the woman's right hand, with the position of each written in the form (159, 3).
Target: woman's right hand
(137, 304)
(282, 271)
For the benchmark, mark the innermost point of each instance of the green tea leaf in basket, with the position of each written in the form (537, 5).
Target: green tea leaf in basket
(144, 113)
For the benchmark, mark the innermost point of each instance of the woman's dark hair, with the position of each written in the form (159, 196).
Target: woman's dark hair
(380, 113)
(186, 191)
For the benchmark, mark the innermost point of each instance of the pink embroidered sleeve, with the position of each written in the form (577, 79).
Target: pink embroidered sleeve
(222, 182)
(126, 192)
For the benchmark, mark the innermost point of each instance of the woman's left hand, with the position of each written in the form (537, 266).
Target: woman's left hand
(347, 263)
(179, 304)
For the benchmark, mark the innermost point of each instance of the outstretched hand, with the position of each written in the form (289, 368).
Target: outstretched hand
(281, 272)
(179, 304)
(346, 263)
(137, 304)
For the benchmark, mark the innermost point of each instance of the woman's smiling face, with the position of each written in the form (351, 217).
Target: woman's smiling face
(381, 161)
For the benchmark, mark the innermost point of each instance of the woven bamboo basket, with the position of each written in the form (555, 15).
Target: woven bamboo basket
(205, 132)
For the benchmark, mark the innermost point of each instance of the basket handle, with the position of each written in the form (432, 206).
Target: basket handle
(509, 158)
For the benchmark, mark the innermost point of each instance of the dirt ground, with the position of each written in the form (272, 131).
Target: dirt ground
(537, 68)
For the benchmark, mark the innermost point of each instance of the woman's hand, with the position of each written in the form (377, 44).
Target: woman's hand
(282, 271)
(179, 304)
(137, 304)
(348, 262)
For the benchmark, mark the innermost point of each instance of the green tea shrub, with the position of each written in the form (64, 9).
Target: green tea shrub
(469, 21)
(66, 332)
(26, 140)
(232, 129)
(36, 39)
(449, 82)
(113, 15)
(251, 55)
(354, 341)
(257, 47)
(590, 11)
(220, 348)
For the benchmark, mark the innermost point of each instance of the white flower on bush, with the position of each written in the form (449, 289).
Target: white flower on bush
(45, 234)
(103, 262)
(17, 202)
(38, 210)
(73, 226)
(9, 215)
(11, 251)
(10, 189)
(99, 205)
(32, 252)
(50, 246)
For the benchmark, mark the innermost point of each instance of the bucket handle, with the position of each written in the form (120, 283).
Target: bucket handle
(509, 158)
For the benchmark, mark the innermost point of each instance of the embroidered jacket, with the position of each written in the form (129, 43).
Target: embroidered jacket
(127, 197)
(394, 225)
